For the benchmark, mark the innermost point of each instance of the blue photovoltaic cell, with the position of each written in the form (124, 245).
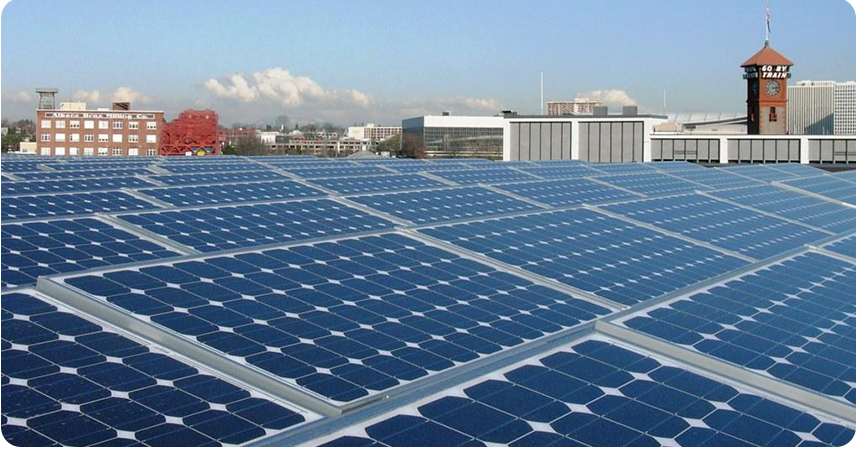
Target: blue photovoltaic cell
(722, 224)
(488, 175)
(802, 170)
(618, 169)
(590, 251)
(345, 318)
(846, 246)
(672, 166)
(793, 205)
(33, 249)
(517, 164)
(760, 172)
(191, 179)
(441, 205)
(361, 185)
(850, 175)
(86, 184)
(597, 393)
(68, 381)
(427, 167)
(329, 172)
(651, 184)
(567, 192)
(212, 167)
(20, 166)
(231, 227)
(826, 186)
(101, 165)
(715, 179)
(794, 320)
(72, 174)
(232, 193)
(550, 171)
(54, 205)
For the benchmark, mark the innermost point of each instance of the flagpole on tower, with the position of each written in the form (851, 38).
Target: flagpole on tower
(767, 22)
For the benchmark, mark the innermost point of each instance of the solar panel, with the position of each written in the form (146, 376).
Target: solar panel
(425, 167)
(56, 205)
(802, 170)
(345, 318)
(212, 167)
(593, 252)
(33, 249)
(20, 166)
(850, 175)
(760, 172)
(826, 186)
(68, 380)
(681, 305)
(75, 174)
(550, 171)
(232, 193)
(557, 193)
(846, 246)
(651, 184)
(489, 175)
(793, 320)
(86, 184)
(329, 172)
(231, 227)
(191, 179)
(443, 205)
(672, 166)
(716, 179)
(721, 224)
(622, 168)
(596, 392)
(795, 206)
(361, 185)
(100, 165)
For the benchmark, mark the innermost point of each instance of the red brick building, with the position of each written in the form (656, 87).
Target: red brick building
(75, 130)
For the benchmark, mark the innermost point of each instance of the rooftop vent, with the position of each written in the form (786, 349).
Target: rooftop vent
(600, 111)
(630, 110)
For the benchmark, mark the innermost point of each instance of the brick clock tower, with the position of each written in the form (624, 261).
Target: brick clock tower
(767, 74)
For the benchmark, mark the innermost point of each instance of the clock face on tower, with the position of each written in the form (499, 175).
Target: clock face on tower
(772, 88)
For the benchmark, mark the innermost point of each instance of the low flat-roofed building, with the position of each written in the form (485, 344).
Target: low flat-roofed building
(449, 136)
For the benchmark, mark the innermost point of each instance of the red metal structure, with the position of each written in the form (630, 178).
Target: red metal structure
(194, 132)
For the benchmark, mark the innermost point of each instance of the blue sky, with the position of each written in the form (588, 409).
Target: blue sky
(381, 61)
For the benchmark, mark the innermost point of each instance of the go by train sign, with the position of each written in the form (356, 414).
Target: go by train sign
(767, 71)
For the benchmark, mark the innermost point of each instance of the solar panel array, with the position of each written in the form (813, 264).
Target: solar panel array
(439, 302)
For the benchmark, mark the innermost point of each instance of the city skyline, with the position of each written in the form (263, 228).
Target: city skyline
(383, 61)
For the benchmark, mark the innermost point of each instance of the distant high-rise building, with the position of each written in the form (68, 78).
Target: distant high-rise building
(845, 109)
(576, 106)
(822, 108)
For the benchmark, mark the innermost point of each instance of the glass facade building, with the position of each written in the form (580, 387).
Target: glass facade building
(457, 136)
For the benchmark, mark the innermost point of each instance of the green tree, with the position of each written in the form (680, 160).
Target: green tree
(391, 145)
(250, 146)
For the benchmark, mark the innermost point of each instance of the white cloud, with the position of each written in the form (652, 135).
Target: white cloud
(609, 97)
(277, 85)
(17, 96)
(87, 96)
(459, 105)
(127, 94)
(485, 104)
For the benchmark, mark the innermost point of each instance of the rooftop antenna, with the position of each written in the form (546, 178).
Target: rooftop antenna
(664, 100)
(46, 97)
(541, 93)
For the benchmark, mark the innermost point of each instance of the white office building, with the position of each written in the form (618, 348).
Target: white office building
(822, 108)
(845, 109)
